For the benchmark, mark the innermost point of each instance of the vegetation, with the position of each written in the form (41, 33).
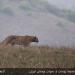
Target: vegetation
(65, 13)
(37, 57)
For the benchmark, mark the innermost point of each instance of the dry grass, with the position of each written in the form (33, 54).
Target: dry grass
(37, 57)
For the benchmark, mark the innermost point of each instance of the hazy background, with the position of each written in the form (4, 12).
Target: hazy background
(63, 3)
(52, 21)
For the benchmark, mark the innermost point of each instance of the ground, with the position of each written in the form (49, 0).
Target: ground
(37, 57)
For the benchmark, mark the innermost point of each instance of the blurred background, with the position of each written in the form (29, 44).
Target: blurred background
(52, 21)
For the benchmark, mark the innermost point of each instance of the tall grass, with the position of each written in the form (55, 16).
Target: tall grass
(37, 57)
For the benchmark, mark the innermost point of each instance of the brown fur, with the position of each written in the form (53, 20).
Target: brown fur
(20, 40)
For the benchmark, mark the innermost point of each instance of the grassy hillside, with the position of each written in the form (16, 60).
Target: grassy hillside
(37, 57)
(12, 8)
(68, 14)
